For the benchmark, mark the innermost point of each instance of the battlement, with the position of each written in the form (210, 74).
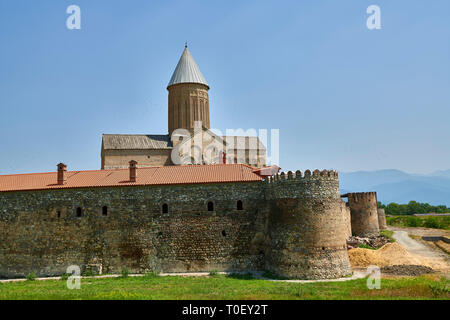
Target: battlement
(316, 174)
(360, 196)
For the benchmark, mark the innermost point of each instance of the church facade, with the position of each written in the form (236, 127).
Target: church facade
(188, 131)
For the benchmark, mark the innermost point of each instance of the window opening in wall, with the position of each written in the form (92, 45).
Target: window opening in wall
(224, 233)
(79, 212)
(210, 206)
(58, 214)
(165, 208)
(105, 211)
(240, 206)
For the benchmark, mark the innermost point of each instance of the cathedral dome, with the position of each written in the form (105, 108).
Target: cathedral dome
(187, 71)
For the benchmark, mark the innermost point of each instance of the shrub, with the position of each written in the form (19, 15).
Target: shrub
(88, 273)
(241, 276)
(213, 273)
(31, 276)
(65, 276)
(124, 273)
(413, 222)
(440, 288)
(271, 275)
(431, 222)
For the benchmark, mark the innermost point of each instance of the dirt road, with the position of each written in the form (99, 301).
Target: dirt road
(437, 258)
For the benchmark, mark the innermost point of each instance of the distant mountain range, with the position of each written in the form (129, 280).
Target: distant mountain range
(400, 187)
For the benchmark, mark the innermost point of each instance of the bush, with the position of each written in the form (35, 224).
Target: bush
(413, 222)
(241, 276)
(88, 273)
(440, 288)
(213, 273)
(124, 273)
(65, 276)
(431, 222)
(31, 276)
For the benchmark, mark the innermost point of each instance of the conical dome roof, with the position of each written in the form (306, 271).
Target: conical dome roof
(187, 71)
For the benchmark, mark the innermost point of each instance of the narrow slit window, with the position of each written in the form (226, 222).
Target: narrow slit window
(105, 211)
(240, 205)
(210, 206)
(79, 212)
(165, 208)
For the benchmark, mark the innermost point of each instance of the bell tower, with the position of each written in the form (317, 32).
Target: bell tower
(188, 95)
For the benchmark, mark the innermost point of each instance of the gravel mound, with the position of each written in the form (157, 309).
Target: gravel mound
(407, 270)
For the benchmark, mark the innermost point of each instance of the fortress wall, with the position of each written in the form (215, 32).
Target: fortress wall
(364, 213)
(135, 234)
(306, 227)
(382, 219)
(347, 218)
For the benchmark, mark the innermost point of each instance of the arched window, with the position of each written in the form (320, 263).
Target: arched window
(105, 211)
(79, 212)
(240, 205)
(210, 206)
(165, 208)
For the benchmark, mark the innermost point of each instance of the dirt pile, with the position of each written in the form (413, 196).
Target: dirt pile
(388, 255)
(406, 270)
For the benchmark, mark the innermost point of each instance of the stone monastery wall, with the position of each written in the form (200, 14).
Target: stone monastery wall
(292, 225)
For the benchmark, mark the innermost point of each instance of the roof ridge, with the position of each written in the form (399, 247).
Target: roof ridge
(120, 169)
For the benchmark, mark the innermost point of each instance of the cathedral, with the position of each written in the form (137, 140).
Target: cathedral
(189, 139)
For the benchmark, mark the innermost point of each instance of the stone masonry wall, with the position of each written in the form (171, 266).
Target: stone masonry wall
(307, 228)
(40, 231)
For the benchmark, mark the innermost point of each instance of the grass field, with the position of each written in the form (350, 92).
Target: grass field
(219, 287)
(426, 222)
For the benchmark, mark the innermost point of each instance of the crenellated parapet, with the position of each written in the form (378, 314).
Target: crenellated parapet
(360, 197)
(318, 184)
(298, 175)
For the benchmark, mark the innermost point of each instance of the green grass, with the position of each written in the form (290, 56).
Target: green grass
(366, 246)
(426, 222)
(388, 234)
(225, 287)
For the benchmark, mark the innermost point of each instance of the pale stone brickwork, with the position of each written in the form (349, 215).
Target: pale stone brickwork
(119, 159)
(292, 225)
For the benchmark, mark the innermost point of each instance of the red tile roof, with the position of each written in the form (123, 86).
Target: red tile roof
(168, 175)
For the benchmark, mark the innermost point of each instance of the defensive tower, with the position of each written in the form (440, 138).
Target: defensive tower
(364, 213)
(306, 226)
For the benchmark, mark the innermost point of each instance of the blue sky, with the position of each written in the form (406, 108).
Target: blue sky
(344, 97)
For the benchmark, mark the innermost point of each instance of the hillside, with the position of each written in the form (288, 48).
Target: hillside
(398, 186)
